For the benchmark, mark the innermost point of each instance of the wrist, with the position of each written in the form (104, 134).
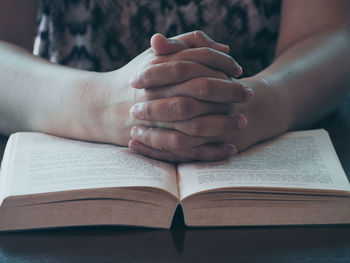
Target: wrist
(102, 108)
(68, 104)
(265, 112)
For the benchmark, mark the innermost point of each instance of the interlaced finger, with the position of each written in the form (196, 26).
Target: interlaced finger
(205, 89)
(176, 109)
(166, 139)
(208, 152)
(172, 72)
(206, 56)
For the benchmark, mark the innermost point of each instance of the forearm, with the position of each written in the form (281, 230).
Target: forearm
(308, 79)
(36, 95)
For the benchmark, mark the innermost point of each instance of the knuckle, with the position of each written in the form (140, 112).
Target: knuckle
(146, 135)
(182, 107)
(202, 39)
(177, 70)
(198, 33)
(176, 141)
(209, 54)
(148, 110)
(204, 88)
(147, 73)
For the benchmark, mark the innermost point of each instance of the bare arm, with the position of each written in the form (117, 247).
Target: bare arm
(29, 88)
(313, 58)
(36, 95)
(310, 74)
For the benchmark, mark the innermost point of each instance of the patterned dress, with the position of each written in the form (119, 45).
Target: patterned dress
(103, 35)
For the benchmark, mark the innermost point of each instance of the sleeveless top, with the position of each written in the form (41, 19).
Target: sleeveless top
(104, 35)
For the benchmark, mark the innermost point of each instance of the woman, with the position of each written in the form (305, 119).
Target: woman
(183, 95)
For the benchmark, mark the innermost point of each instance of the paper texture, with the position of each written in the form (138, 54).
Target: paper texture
(45, 163)
(305, 160)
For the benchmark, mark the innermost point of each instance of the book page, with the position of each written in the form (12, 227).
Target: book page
(305, 160)
(5, 167)
(42, 163)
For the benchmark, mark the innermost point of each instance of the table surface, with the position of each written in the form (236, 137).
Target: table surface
(183, 244)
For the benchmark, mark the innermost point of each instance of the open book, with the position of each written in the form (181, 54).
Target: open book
(48, 181)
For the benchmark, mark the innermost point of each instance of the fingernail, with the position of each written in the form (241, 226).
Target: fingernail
(227, 47)
(232, 149)
(241, 121)
(132, 145)
(223, 48)
(248, 93)
(136, 132)
(133, 81)
(172, 41)
(136, 110)
(239, 70)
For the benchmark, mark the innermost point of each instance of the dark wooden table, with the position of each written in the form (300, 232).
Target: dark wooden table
(182, 244)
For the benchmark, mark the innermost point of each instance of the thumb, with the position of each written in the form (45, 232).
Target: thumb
(197, 39)
(164, 46)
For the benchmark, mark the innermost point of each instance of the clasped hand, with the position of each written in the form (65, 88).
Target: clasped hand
(178, 101)
(190, 93)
